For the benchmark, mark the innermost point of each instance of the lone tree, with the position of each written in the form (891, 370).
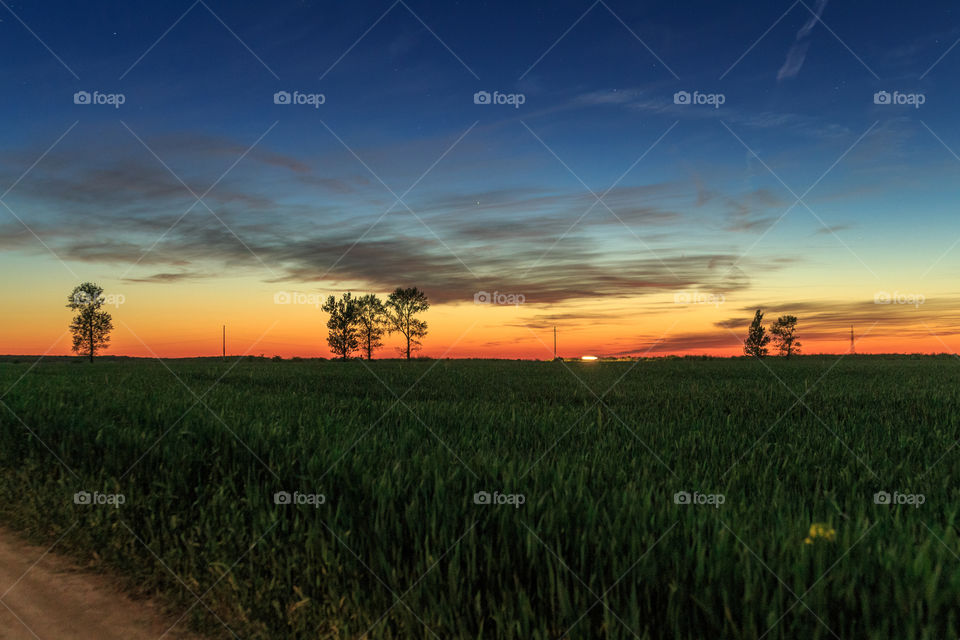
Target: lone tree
(371, 322)
(757, 338)
(91, 325)
(402, 305)
(343, 334)
(784, 332)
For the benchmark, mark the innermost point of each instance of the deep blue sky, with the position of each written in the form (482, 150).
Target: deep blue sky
(699, 211)
(399, 83)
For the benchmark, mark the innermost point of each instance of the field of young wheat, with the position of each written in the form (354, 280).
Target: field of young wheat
(673, 498)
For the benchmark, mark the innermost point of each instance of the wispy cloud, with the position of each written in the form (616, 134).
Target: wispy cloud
(108, 208)
(798, 51)
(832, 229)
(662, 104)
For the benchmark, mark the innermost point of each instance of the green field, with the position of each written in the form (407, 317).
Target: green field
(598, 549)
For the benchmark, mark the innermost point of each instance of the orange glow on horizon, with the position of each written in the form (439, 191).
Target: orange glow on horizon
(185, 320)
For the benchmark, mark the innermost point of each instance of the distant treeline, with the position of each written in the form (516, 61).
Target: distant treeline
(357, 324)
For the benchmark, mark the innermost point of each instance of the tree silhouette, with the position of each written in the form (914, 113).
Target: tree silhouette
(402, 305)
(371, 322)
(757, 338)
(784, 335)
(343, 334)
(91, 325)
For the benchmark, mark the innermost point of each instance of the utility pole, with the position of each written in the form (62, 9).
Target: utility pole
(853, 348)
(224, 342)
(554, 342)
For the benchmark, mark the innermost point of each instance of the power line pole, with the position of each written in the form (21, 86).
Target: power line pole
(853, 348)
(554, 342)
(224, 342)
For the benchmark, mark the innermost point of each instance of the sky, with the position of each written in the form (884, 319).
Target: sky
(642, 176)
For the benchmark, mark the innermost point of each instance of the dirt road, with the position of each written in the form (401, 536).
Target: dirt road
(57, 601)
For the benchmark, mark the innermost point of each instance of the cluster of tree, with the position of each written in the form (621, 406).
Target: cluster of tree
(359, 323)
(783, 332)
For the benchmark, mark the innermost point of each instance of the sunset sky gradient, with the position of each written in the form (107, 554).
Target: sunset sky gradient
(601, 201)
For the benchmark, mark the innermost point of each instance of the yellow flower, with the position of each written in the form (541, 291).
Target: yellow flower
(820, 531)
